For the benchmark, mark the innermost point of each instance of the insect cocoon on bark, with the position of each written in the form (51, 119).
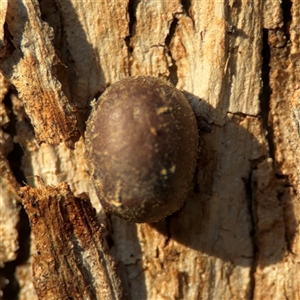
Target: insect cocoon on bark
(141, 148)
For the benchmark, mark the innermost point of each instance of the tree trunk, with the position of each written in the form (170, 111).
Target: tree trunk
(238, 64)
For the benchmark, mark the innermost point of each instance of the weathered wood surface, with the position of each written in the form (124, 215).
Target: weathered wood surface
(70, 260)
(238, 63)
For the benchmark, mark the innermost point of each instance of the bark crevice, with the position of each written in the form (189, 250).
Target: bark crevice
(251, 210)
(131, 10)
(266, 93)
(173, 77)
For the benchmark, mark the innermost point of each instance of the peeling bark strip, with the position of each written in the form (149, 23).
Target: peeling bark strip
(70, 260)
(32, 70)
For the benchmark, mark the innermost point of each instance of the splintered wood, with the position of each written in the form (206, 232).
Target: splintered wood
(32, 68)
(70, 260)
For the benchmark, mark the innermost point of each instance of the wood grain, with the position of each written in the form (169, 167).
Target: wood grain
(70, 260)
(32, 69)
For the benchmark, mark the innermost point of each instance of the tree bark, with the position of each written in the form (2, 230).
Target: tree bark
(238, 64)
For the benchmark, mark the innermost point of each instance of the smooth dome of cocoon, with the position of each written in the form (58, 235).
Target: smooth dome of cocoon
(141, 148)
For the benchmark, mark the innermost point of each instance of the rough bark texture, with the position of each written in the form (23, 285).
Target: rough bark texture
(237, 62)
(31, 68)
(70, 260)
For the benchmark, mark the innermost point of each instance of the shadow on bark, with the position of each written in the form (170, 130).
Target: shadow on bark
(251, 222)
(125, 247)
